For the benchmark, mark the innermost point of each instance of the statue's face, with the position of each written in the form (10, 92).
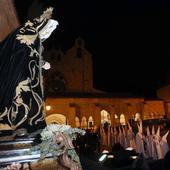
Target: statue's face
(45, 32)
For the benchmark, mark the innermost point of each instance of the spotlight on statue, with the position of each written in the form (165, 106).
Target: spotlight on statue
(48, 107)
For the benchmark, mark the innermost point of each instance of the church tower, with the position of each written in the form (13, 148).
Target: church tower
(70, 72)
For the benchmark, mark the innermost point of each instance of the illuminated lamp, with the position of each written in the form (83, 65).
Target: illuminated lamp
(48, 107)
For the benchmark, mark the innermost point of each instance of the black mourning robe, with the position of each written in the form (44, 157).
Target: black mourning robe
(21, 81)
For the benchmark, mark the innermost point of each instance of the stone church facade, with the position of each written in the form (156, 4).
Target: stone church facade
(164, 94)
(71, 98)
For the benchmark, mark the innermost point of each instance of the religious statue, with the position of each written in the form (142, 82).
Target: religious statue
(22, 97)
(21, 80)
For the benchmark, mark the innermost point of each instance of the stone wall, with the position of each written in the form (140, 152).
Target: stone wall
(73, 70)
(154, 109)
(72, 107)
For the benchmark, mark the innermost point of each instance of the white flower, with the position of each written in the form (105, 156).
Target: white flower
(46, 135)
(52, 129)
(60, 128)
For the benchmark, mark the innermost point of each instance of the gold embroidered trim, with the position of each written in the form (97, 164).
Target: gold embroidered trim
(26, 39)
(46, 15)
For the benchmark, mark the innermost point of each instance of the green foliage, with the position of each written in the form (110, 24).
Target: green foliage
(49, 147)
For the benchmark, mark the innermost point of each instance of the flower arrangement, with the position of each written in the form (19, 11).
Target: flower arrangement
(57, 141)
(16, 166)
(51, 129)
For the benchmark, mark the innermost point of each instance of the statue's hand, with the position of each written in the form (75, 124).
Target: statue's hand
(46, 66)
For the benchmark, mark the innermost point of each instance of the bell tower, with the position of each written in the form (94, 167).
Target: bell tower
(71, 71)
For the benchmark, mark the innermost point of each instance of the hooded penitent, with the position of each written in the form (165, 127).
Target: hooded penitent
(153, 145)
(148, 143)
(158, 143)
(131, 137)
(116, 140)
(121, 137)
(21, 81)
(140, 140)
(164, 144)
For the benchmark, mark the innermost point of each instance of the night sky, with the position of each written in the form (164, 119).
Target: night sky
(129, 39)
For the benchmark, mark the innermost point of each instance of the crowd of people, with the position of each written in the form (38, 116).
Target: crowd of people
(148, 143)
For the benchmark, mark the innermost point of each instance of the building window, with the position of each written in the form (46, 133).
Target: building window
(77, 120)
(116, 116)
(137, 117)
(122, 119)
(90, 122)
(105, 117)
(84, 123)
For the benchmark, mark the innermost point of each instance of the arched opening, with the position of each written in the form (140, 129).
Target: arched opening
(116, 119)
(122, 119)
(90, 122)
(116, 116)
(56, 118)
(137, 117)
(105, 117)
(84, 123)
(77, 121)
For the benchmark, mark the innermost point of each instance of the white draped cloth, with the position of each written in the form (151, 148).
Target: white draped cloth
(131, 138)
(164, 144)
(140, 144)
